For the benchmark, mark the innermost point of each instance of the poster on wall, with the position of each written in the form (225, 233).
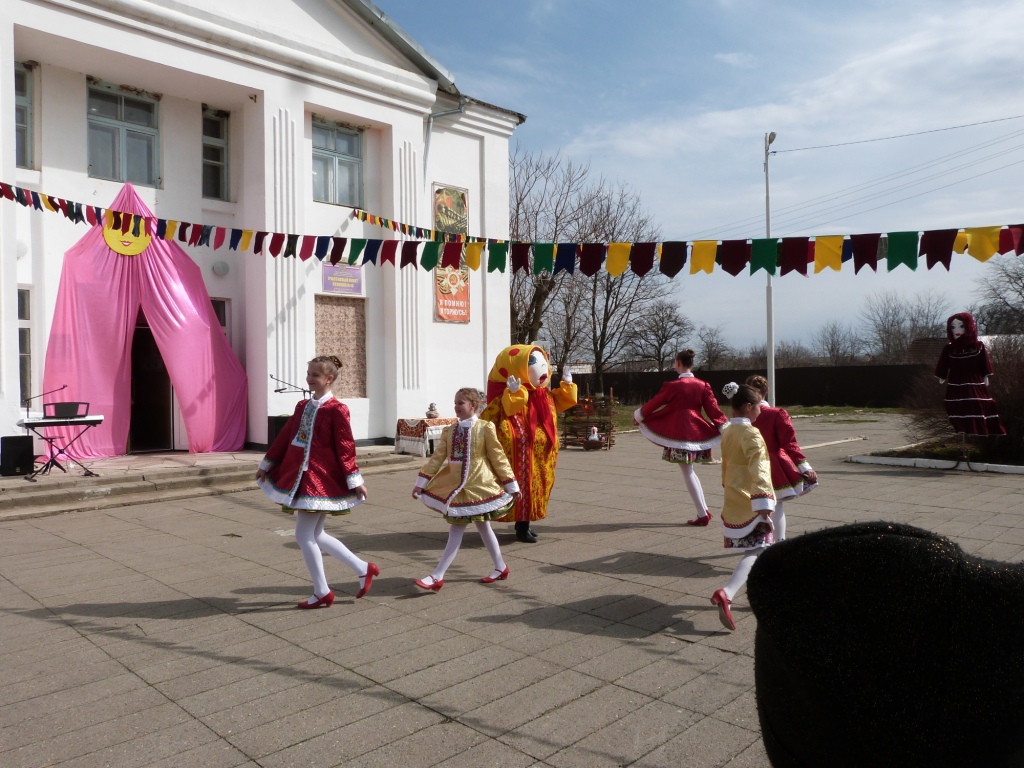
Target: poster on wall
(343, 280)
(451, 286)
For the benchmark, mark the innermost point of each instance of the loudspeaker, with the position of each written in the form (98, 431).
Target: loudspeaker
(16, 455)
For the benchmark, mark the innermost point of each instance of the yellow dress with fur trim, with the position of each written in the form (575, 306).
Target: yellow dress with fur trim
(531, 450)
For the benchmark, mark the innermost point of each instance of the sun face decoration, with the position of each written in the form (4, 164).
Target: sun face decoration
(126, 243)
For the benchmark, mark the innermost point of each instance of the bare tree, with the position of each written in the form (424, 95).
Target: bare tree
(712, 349)
(891, 322)
(550, 201)
(659, 334)
(836, 343)
(793, 354)
(1001, 290)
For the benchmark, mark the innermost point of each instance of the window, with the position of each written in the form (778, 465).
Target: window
(23, 115)
(25, 343)
(215, 154)
(337, 165)
(123, 136)
(222, 309)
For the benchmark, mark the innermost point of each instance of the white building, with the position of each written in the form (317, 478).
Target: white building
(266, 115)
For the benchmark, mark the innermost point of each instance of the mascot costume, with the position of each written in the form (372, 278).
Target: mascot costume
(524, 410)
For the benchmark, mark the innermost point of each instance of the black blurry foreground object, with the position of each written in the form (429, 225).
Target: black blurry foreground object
(880, 644)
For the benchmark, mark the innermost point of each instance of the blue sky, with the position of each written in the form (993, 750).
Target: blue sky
(674, 99)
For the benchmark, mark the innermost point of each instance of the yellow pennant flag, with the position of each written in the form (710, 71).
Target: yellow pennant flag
(172, 227)
(702, 257)
(982, 242)
(472, 255)
(47, 203)
(618, 258)
(828, 252)
(246, 239)
(960, 242)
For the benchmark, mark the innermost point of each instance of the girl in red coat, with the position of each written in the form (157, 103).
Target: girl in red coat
(673, 420)
(792, 475)
(310, 470)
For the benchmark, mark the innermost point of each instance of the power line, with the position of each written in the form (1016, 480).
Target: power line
(898, 136)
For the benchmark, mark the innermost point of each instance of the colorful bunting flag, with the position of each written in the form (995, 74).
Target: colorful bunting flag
(591, 258)
(902, 250)
(735, 256)
(828, 253)
(431, 255)
(937, 247)
(473, 255)
(617, 258)
(865, 251)
(641, 259)
(497, 256)
(543, 258)
(982, 242)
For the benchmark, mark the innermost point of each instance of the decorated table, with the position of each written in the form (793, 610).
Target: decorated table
(417, 436)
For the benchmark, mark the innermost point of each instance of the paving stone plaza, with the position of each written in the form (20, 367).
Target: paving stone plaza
(164, 633)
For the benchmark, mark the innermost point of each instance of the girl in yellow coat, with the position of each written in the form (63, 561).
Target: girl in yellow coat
(749, 495)
(468, 480)
(524, 410)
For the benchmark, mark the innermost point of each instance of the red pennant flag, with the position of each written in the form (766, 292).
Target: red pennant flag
(8, 192)
(673, 257)
(197, 232)
(63, 205)
(337, 248)
(308, 244)
(219, 233)
(126, 222)
(641, 258)
(794, 255)
(451, 256)
(90, 215)
(937, 245)
(409, 253)
(388, 249)
(520, 257)
(591, 258)
(865, 251)
(735, 256)
(276, 244)
(1012, 239)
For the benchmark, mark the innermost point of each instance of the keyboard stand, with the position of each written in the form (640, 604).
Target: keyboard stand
(55, 451)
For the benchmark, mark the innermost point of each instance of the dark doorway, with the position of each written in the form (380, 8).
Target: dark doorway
(152, 415)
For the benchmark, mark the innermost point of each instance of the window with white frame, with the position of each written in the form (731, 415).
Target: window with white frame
(23, 116)
(123, 135)
(337, 164)
(215, 153)
(25, 342)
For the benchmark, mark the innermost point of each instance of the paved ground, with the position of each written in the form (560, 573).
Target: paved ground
(164, 633)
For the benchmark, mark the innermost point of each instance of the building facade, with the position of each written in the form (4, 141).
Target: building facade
(272, 115)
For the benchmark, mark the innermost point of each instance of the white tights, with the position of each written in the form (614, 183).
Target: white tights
(694, 487)
(455, 541)
(309, 533)
(779, 521)
(739, 576)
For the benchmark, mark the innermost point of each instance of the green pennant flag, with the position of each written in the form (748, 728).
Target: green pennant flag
(902, 250)
(497, 256)
(543, 257)
(355, 247)
(764, 254)
(431, 255)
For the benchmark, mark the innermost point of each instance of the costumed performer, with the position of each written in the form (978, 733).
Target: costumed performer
(310, 470)
(748, 496)
(964, 367)
(673, 420)
(524, 411)
(792, 475)
(468, 480)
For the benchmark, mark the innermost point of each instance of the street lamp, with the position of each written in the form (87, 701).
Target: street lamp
(770, 342)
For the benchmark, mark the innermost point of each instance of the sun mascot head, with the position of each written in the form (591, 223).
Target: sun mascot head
(126, 243)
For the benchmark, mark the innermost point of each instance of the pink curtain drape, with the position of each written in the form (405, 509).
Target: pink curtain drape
(90, 345)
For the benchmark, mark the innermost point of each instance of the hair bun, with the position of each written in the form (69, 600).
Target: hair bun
(730, 390)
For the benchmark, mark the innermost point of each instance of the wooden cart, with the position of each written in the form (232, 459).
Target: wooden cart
(578, 423)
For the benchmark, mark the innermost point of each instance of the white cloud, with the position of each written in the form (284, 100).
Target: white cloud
(739, 60)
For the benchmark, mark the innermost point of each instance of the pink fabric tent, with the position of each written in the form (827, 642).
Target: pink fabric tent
(91, 341)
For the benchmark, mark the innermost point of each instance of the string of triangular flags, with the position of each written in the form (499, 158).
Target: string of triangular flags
(433, 248)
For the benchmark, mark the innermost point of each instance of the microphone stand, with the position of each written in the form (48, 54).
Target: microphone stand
(288, 387)
(36, 397)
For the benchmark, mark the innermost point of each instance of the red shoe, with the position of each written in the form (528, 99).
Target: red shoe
(724, 614)
(371, 571)
(701, 521)
(500, 577)
(434, 586)
(322, 602)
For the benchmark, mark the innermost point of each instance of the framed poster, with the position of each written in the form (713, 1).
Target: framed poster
(342, 279)
(451, 285)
